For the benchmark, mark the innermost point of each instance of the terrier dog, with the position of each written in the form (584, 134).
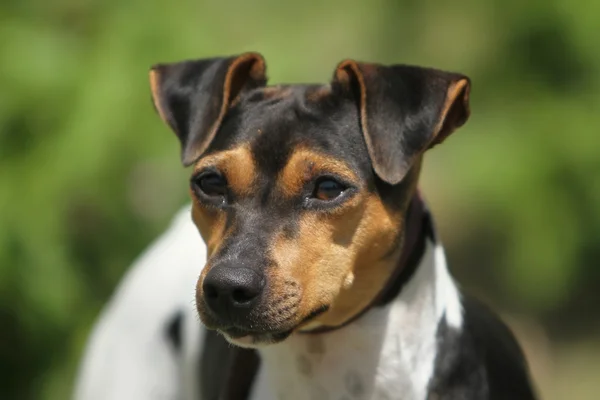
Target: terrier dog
(323, 266)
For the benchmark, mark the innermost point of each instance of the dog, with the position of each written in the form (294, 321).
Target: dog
(324, 277)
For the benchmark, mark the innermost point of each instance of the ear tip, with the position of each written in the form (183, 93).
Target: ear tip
(192, 150)
(155, 73)
(258, 64)
(156, 67)
(463, 82)
(466, 93)
(461, 87)
(254, 54)
(391, 174)
(187, 159)
(345, 63)
(345, 69)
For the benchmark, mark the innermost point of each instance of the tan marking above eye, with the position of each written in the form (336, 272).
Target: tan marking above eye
(319, 93)
(277, 92)
(304, 165)
(236, 165)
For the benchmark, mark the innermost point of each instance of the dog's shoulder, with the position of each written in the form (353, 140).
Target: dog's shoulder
(482, 360)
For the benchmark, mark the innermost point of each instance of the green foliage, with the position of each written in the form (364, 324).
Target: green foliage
(89, 175)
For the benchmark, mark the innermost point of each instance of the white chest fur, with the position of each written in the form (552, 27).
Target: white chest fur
(387, 354)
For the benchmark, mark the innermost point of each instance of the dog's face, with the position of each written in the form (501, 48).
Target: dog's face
(300, 191)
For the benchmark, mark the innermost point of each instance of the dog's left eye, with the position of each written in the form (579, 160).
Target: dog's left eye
(328, 189)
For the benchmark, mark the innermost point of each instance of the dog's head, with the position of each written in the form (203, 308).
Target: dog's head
(300, 191)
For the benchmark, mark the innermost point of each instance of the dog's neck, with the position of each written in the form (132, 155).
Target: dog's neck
(389, 350)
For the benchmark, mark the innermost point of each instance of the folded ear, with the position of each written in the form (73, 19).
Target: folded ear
(192, 97)
(404, 110)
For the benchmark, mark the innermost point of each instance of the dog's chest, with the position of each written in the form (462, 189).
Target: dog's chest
(371, 359)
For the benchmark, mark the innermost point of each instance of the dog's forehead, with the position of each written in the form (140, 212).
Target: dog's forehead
(275, 121)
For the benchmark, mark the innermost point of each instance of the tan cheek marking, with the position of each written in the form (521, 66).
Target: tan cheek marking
(341, 260)
(304, 165)
(236, 164)
(319, 258)
(307, 261)
(211, 225)
(376, 256)
(369, 269)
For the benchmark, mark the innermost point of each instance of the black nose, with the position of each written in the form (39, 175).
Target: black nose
(231, 292)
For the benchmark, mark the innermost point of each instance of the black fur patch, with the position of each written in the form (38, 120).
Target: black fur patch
(483, 361)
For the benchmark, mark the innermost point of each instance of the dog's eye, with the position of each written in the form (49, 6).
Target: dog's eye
(328, 189)
(211, 184)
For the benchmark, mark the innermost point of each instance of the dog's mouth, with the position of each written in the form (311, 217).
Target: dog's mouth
(250, 338)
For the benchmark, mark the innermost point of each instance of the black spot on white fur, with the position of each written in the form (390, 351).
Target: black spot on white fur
(315, 345)
(318, 392)
(173, 330)
(304, 366)
(354, 384)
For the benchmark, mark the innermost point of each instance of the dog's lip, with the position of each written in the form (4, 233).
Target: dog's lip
(236, 333)
(249, 339)
(314, 314)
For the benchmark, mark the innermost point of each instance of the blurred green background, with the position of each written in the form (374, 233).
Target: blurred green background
(89, 175)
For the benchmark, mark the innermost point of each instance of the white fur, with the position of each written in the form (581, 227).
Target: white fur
(388, 353)
(127, 356)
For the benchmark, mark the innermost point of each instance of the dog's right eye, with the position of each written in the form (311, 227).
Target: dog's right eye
(328, 189)
(210, 184)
